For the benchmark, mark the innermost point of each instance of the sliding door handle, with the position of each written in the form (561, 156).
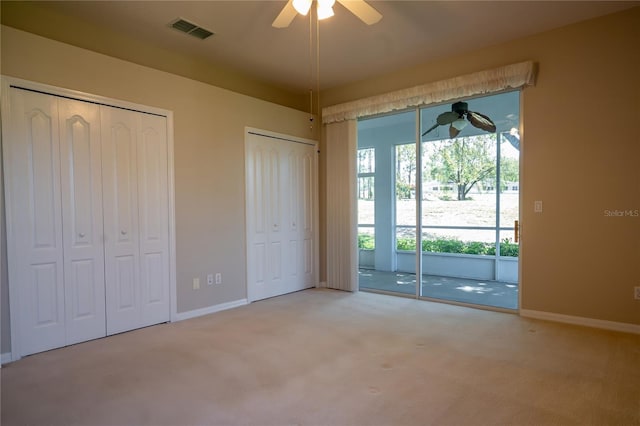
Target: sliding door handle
(516, 231)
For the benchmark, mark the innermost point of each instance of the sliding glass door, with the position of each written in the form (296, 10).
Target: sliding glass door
(385, 147)
(467, 191)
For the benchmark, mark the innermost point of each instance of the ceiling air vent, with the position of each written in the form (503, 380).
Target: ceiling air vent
(191, 29)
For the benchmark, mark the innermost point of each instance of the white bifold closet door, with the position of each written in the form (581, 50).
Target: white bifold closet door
(134, 150)
(54, 185)
(281, 190)
(87, 216)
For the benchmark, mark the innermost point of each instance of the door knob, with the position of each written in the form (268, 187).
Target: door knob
(123, 232)
(81, 235)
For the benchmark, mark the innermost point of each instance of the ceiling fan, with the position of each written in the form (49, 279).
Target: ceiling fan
(360, 8)
(455, 118)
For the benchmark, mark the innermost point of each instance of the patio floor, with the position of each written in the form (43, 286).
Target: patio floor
(487, 293)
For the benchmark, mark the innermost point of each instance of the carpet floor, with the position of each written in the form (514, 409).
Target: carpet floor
(323, 357)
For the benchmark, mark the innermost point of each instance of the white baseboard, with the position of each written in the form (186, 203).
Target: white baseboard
(210, 310)
(6, 357)
(587, 322)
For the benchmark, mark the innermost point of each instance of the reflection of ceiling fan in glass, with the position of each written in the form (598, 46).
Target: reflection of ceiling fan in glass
(455, 118)
(324, 8)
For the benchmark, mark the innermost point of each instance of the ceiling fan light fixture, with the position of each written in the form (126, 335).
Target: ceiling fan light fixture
(459, 124)
(325, 9)
(324, 12)
(326, 3)
(302, 6)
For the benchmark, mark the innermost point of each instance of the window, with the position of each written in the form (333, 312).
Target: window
(366, 198)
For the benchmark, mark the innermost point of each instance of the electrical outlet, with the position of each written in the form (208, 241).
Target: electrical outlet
(218, 278)
(210, 279)
(637, 293)
(196, 283)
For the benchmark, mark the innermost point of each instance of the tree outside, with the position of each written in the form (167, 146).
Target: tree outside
(405, 171)
(509, 171)
(464, 162)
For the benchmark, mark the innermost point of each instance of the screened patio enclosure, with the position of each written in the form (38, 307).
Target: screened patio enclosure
(446, 206)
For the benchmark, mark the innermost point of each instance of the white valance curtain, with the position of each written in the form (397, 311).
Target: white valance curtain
(341, 146)
(512, 76)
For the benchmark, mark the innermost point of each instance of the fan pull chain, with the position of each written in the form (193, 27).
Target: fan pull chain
(318, 68)
(311, 70)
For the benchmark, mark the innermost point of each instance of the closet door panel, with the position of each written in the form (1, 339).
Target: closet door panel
(154, 219)
(81, 189)
(125, 300)
(153, 275)
(120, 195)
(304, 231)
(268, 218)
(278, 224)
(152, 178)
(82, 302)
(35, 224)
(44, 295)
(293, 215)
(257, 171)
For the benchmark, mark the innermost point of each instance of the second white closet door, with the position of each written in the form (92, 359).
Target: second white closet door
(120, 193)
(153, 214)
(134, 158)
(280, 226)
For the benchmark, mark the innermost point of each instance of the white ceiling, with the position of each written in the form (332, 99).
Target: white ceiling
(410, 32)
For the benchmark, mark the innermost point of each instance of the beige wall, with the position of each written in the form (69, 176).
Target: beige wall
(39, 18)
(581, 156)
(209, 127)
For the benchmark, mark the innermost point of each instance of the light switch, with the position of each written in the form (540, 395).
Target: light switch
(537, 206)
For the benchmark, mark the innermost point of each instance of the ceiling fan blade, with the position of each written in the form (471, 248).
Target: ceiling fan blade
(284, 19)
(430, 129)
(447, 118)
(453, 132)
(481, 121)
(362, 10)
